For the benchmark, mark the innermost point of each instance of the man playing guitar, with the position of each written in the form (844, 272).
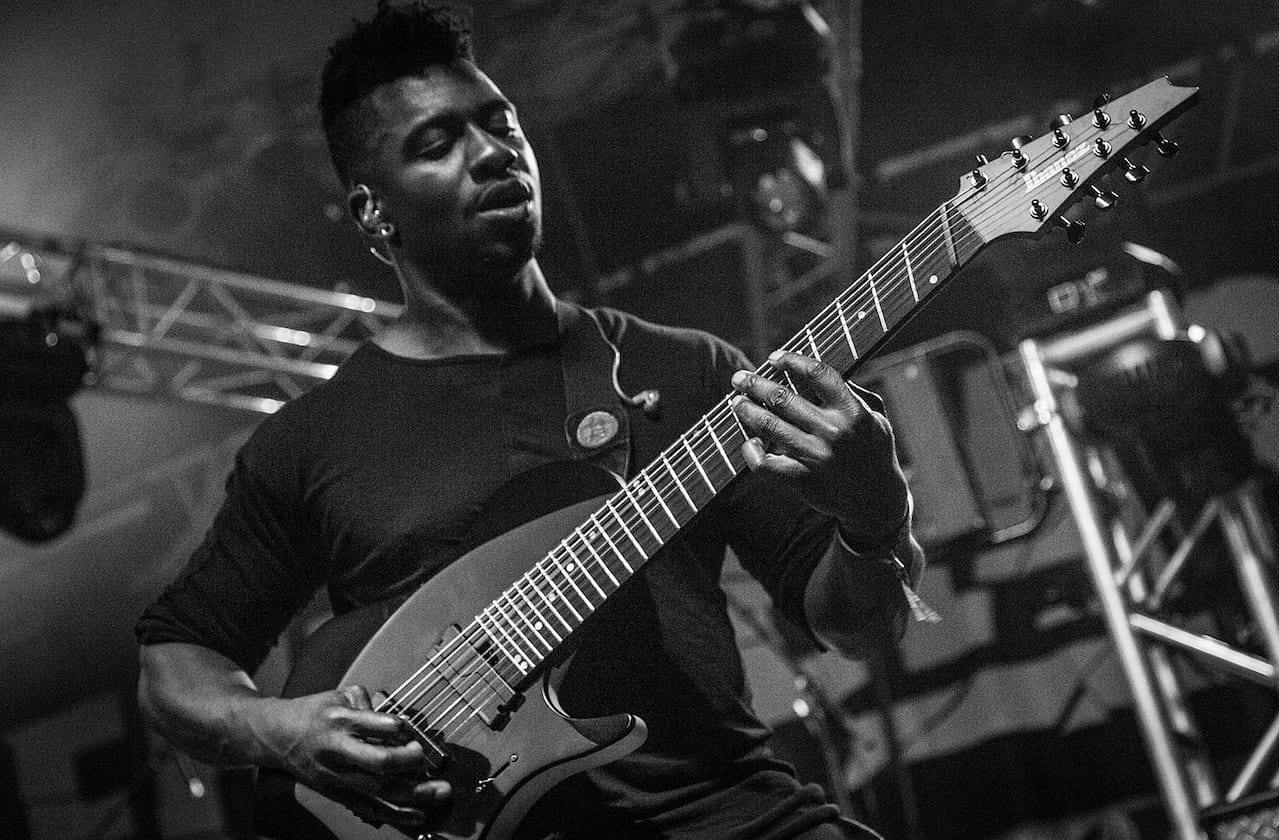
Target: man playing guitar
(374, 482)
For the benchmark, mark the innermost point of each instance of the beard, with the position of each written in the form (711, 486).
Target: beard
(495, 255)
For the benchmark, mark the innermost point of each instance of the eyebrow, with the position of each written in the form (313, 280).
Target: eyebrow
(454, 116)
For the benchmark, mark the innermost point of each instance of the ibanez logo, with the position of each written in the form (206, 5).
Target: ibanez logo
(1034, 179)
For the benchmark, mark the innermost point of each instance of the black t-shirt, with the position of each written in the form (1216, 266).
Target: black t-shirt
(369, 484)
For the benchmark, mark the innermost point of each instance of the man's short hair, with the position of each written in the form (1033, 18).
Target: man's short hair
(399, 40)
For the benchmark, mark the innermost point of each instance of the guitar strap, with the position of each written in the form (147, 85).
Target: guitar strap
(596, 423)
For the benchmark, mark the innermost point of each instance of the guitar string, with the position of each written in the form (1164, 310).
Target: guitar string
(825, 324)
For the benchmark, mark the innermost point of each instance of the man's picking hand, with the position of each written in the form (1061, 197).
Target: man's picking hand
(369, 761)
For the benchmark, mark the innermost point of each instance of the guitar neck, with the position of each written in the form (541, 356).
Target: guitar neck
(539, 611)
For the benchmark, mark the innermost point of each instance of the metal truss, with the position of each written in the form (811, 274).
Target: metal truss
(1134, 555)
(178, 329)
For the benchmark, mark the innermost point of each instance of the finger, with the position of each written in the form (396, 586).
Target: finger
(356, 697)
(378, 811)
(418, 794)
(753, 452)
(379, 760)
(785, 403)
(775, 435)
(821, 380)
(380, 727)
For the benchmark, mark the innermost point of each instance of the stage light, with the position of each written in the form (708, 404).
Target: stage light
(44, 359)
(779, 179)
(1167, 406)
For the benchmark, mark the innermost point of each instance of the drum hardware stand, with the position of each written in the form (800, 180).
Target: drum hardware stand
(1134, 553)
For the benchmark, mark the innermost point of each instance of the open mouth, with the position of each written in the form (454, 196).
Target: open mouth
(506, 197)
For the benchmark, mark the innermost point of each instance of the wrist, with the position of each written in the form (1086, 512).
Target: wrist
(878, 544)
(256, 722)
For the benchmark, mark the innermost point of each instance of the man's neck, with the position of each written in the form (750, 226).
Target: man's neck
(506, 317)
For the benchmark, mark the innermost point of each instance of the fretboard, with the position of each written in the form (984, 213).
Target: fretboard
(541, 609)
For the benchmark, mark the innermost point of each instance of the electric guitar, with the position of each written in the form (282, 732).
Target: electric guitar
(468, 659)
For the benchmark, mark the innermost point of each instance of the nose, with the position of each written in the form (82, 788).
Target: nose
(489, 155)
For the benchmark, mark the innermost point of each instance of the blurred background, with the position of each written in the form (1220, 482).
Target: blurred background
(175, 262)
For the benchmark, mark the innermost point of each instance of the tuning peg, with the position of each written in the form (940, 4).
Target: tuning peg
(977, 179)
(1136, 119)
(1060, 121)
(1164, 146)
(1018, 159)
(1104, 199)
(982, 160)
(1074, 230)
(1136, 173)
(1060, 138)
(1100, 118)
(1101, 148)
(1021, 140)
(1102, 100)
(1037, 209)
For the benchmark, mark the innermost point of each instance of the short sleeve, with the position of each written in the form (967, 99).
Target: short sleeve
(252, 572)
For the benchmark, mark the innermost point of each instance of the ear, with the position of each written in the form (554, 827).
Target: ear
(363, 208)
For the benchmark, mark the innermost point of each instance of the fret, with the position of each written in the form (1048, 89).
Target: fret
(843, 322)
(613, 546)
(945, 229)
(517, 659)
(515, 625)
(817, 354)
(598, 559)
(698, 464)
(733, 414)
(550, 606)
(590, 577)
(568, 577)
(538, 620)
(627, 531)
(933, 264)
(670, 469)
(965, 240)
(501, 622)
(657, 495)
(719, 445)
(640, 510)
(910, 273)
(595, 556)
(874, 293)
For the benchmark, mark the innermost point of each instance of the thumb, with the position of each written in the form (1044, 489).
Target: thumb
(356, 697)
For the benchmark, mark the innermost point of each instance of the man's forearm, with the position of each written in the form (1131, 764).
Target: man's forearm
(203, 703)
(856, 604)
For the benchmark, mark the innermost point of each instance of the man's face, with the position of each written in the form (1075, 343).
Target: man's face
(455, 175)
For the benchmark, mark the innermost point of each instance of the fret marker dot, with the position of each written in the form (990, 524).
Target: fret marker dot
(568, 567)
(933, 279)
(537, 625)
(861, 314)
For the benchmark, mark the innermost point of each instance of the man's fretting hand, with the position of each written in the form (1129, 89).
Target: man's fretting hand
(369, 761)
(838, 451)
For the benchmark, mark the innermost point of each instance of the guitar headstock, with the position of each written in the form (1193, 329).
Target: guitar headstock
(1030, 187)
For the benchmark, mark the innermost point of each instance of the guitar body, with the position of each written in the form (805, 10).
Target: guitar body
(537, 747)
